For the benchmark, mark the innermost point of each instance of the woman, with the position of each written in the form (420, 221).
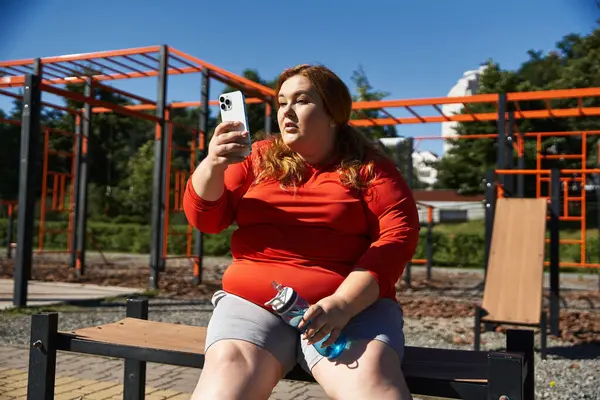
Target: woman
(319, 209)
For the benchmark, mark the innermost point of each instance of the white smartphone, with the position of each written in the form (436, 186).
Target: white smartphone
(233, 108)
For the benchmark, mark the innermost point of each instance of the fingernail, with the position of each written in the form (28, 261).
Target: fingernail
(244, 134)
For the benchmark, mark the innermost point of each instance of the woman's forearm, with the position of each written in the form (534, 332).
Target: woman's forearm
(359, 290)
(208, 180)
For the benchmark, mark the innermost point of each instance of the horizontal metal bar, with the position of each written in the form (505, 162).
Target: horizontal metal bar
(44, 103)
(83, 56)
(18, 81)
(375, 104)
(553, 94)
(264, 90)
(68, 343)
(532, 114)
(545, 171)
(461, 364)
(83, 99)
(447, 389)
(185, 104)
(123, 93)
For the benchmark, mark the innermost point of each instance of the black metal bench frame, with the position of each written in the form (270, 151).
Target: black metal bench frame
(458, 374)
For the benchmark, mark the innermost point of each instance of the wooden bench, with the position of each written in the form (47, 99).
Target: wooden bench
(458, 374)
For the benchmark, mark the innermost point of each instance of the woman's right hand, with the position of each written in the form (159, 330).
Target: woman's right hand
(228, 145)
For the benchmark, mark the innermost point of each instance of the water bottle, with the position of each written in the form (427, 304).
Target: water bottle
(291, 307)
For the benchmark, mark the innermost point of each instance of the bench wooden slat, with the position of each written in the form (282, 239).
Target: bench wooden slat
(143, 333)
(449, 365)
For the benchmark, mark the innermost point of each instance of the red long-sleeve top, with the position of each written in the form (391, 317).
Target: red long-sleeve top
(310, 239)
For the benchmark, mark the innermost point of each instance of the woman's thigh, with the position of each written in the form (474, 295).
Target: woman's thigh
(235, 318)
(382, 321)
(369, 369)
(372, 360)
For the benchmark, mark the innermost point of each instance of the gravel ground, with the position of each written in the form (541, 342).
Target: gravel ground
(438, 313)
(570, 372)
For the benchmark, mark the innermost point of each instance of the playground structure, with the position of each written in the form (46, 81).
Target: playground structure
(40, 75)
(44, 75)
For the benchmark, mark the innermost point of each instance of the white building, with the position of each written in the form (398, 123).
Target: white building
(421, 164)
(467, 85)
(449, 206)
(420, 160)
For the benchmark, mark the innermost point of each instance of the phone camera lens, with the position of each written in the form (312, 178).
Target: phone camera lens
(222, 106)
(227, 101)
(221, 99)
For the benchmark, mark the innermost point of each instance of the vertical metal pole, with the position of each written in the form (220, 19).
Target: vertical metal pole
(501, 143)
(429, 242)
(505, 377)
(76, 191)
(554, 250)
(267, 118)
(490, 207)
(82, 207)
(203, 127)
(409, 162)
(521, 165)
(597, 185)
(30, 129)
(165, 191)
(42, 356)
(10, 228)
(158, 188)
(409, 180)
(134, 382)
(522, 341)
(509, 154)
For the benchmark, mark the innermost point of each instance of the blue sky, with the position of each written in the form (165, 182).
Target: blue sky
(408, 49)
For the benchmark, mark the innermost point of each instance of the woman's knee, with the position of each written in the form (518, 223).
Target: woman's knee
(371, 369)
(245, 356)
(237, 369)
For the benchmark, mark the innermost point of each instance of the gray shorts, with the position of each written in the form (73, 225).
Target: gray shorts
(237, 318)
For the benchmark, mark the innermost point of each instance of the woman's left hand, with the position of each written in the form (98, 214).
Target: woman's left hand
(328, 316)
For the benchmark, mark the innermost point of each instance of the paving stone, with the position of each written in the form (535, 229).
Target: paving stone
(101, 378)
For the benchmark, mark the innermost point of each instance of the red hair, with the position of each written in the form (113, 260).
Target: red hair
(354, 149)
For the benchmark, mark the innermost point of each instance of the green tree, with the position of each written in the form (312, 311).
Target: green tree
(365, 92)
(574, 64)
(135, 193)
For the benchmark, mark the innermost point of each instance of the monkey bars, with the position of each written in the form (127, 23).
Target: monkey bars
(512, 100)
(95, 70)
(142, 62)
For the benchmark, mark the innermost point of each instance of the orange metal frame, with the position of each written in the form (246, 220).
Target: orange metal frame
(11, 207)
(60, 180)
(429, 208)
(139, 62)
(128, 64)
(58, 190)
(547, 111)
(179, 177)
(143, 62)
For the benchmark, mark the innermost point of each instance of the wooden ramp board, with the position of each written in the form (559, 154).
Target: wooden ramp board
(513, 285)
